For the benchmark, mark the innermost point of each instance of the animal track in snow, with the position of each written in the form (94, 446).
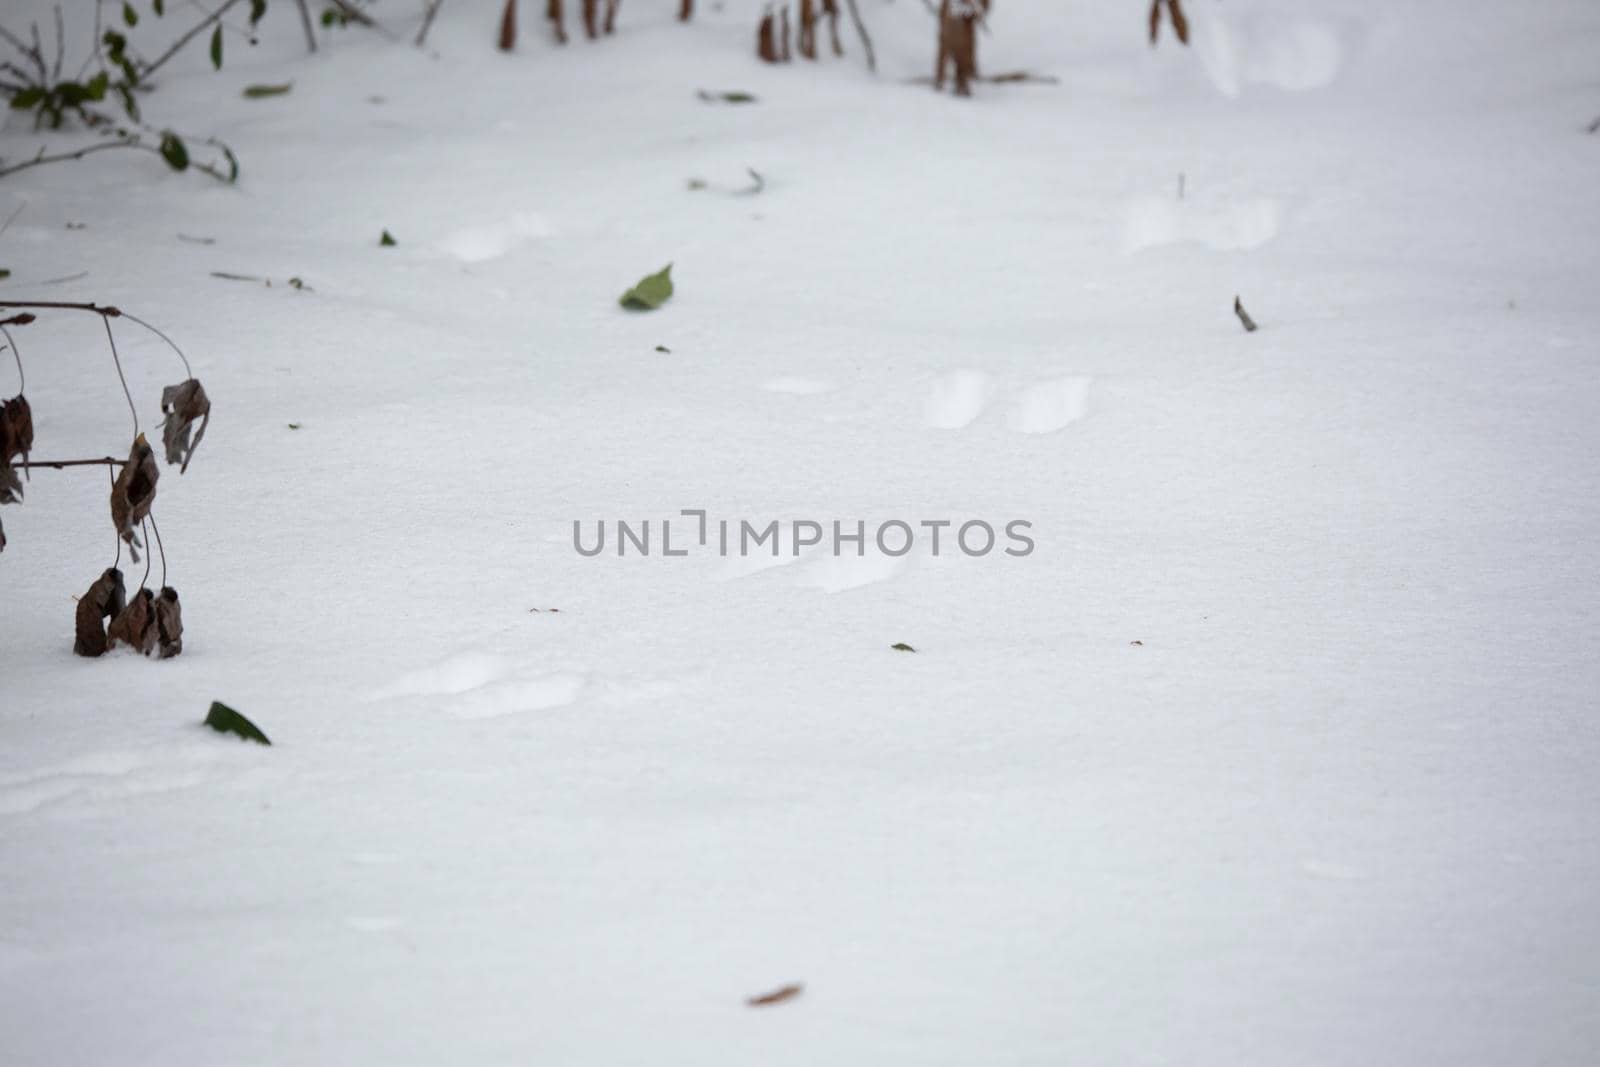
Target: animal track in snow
(1269, 48)
(956, 399)
(453, 674)
(1153, 221)
(836, 574)
(1051, 406)
(515, 695)
(479, 244)
(477, 685)
(105, 776)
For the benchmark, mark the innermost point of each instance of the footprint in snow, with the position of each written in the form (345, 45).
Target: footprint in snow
(478, 685)
(1051, 406)
(1227, 226)
(107, 776)
(956, 399)
(479, 244)
(1277, 49)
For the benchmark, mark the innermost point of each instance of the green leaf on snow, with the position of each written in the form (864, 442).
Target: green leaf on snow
(651, 292)
(901, 646)
(387, 240)
(216, 48)
(174, 151)
(257, 92)
(225, 720)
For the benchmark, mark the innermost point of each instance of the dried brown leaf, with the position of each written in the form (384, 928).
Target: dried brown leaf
(104, 600)
(135, 625)
(134, 492)
(777, 996)
(184, 404)
(16, 429)
(10, 485)
(169, 623)
(16, 439)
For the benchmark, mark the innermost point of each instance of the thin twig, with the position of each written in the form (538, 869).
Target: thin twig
(11, 342)
(61, 45)
(160, 548)
(41, 159)
(305, 20)
(170, 342)
(112, 341)
(144, 527)
(58, 305)
(150, 68)
(61, 464)
(861, 30)
(431, 8)
(354, 14)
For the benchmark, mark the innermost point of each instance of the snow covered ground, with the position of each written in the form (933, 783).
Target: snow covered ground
(1280, 748)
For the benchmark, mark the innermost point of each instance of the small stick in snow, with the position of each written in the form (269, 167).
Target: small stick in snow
(427, 21)
(1244, 316)
(305, 22)
(777, 996)
(508, 27)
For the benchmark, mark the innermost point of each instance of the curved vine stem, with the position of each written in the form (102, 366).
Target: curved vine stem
(16, 353)
(188, 373)
(112, 341)
(160, 549)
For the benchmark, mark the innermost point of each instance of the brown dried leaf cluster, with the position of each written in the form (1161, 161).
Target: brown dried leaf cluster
(16, 440)
(183, 405)
(105, 599)
(136, 625)
(133, 492)
(149, 622)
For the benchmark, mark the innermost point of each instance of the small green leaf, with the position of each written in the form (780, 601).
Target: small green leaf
(735, 96)
(174, 151)
(257, 9)
(97, 86)
(901, 646)
(216, 48)
(129, 15)
(387, 240)
(256, 92)
(294, 425)
(27, 98)
(4, 274)
(159, 7)
(651, 292)
(225, 720)
(663, 348)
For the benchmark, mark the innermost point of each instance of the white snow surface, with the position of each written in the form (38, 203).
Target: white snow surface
(1281, 748)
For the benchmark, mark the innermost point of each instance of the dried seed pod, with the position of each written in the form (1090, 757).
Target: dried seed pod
(134, 492)
(104, 600)
(16, 429)
(184, 404)
(16, 439)
(169, 623)
(10, 485)
(135, 625)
